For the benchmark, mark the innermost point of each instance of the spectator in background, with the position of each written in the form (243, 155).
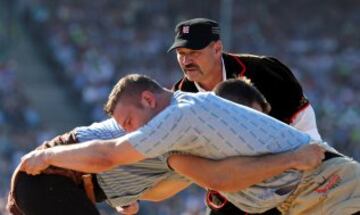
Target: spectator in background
(323, 57)
(19, 125)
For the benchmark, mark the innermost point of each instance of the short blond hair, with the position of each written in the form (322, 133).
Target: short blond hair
(130, 86)
(242, 91)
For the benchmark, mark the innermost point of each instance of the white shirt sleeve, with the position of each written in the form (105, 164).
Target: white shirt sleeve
(170, 130)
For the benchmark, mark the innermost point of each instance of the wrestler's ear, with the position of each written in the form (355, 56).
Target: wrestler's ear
(148, 99)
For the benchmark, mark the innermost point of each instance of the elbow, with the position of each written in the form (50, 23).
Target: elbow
(103, 162)
(154, 196)
(104, 166)
(108, 163)
(225, 185)
(157, 199)
(217, 183)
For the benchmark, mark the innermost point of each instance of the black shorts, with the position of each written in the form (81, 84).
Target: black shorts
(51, 194)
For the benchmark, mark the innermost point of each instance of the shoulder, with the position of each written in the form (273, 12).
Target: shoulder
(241, 64)
(186, 104)
(190, 98)
(193, 103)
(250, 58)
(253, 65)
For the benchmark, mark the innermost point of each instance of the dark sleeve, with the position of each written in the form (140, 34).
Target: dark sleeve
(279, 86)
(185, 85)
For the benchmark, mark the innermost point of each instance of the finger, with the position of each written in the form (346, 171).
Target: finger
(29, 167)
(29, 170)
(323, 150)
(33, 171)
(23, 165)
(129, 210)
(322, 156)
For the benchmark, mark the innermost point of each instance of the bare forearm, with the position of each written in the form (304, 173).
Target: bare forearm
(232, 174)
(247, 171)
(164, 190)
(85, 157)
(236, 173)
(92, 156)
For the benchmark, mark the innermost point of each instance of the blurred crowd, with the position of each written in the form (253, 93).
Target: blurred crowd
(96, 42)
(21, 129)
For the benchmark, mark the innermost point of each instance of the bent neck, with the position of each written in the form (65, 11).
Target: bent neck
(164, 100)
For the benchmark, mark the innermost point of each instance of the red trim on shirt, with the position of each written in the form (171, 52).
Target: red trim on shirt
(209, 199)
(181, 83)
(242, 73)
(293, 117)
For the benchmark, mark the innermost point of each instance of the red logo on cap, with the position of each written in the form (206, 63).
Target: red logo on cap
(186, 29)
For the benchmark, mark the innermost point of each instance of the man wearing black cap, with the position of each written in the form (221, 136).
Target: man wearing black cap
(204, 63)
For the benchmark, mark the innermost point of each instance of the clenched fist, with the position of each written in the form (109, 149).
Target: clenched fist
(34, 162)
(308, 156)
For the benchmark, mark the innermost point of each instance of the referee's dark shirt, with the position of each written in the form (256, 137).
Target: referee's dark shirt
(272, 78)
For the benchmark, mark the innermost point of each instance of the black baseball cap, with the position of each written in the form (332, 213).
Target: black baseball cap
(195, 33)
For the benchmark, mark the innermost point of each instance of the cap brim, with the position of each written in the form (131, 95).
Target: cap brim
(195, 45)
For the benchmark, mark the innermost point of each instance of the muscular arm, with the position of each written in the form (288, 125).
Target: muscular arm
(92, 156)
(165, 189)
(236, 173)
